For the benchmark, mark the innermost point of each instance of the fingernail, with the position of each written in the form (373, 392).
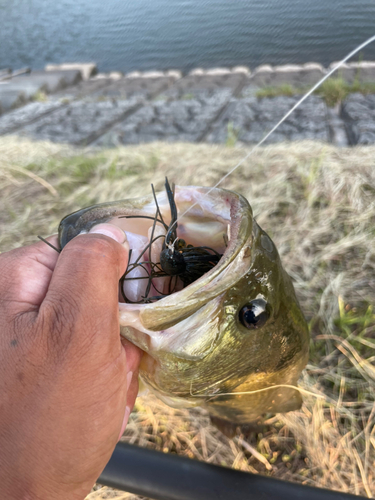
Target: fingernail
(111, 231)
(124, 422)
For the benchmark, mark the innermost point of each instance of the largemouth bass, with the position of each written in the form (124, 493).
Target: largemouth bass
(234, 340)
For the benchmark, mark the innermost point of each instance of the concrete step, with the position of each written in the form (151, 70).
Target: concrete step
(84, 89)
(172, 120)
(31, 112)
(297, 75)
(364, 71)
(203, 81)
(18, 90)
(13, 95)
(46, 81)
(248, 120)
(79, 122)
(87, 70)
(147, 87)
(71, 77)
(5, 73)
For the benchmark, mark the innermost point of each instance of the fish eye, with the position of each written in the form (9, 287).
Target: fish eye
(254, 314)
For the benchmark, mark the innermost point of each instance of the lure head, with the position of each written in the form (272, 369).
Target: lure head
(172, 261)
(231, 340)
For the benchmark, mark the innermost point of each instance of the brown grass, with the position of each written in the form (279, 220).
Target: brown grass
(318, 205)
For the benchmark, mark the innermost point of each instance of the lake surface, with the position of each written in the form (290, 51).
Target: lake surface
(161, 34)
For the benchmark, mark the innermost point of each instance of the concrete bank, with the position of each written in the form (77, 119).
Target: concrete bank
(72, 103)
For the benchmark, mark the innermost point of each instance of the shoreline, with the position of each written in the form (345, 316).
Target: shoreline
(263, 75)
(73, 103)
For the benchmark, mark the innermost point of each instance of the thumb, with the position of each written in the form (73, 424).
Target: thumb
(83, 292)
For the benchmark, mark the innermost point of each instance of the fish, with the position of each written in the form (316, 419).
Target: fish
(232, 340)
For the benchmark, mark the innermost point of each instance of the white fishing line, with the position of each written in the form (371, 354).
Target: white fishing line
(317, 85)
(264, 389)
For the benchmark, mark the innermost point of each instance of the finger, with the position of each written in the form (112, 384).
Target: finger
(130, 400)
(83, 293)
(133, 355)
(110, 230)
(133, 359)
(25, 274)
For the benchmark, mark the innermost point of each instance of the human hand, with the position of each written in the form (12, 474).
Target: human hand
(66, 378)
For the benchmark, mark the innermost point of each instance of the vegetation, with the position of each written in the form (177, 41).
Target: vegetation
(232, 135)
(40, 96)
(282, 90)
(333, 90)
(318, 205)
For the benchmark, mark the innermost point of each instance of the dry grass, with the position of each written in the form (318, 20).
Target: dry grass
(318, 205)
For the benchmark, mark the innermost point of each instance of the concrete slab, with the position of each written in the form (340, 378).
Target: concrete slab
(297, 75)
(174, 73)
(87, 70)
(27, 88)
(200, 82)
(218, 71)
(17, 72)
(175, 120)
(337, 130)
(79, 122)
(148, 88)
(262, 75)
(358, 113)
(83, 89)
(5, 73)
(113, 75)
(47, 81)
(241, 69)
(11, 97)
(12, 121)
(71, 77)
(364, 71)
(248, 120)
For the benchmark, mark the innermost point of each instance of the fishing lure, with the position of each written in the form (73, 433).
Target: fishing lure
(178, 260)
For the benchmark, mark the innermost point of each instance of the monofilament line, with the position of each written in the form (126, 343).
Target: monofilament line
(317, 85)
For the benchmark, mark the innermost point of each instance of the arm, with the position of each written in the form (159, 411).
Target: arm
(67, 381)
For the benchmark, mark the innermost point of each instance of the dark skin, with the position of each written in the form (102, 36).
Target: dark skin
(67, 380)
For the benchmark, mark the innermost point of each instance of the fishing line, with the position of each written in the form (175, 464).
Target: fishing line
(218, 394)
(58, 250)
(316, 86)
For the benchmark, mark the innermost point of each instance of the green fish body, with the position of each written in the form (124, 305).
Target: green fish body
(235, 340)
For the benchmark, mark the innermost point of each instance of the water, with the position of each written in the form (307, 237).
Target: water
(161, 34)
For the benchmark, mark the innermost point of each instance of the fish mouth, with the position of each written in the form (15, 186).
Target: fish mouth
(217, 219)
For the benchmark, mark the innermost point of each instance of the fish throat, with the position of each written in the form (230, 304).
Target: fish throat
(178, 264)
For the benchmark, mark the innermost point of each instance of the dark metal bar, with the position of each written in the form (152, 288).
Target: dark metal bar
(164, 476)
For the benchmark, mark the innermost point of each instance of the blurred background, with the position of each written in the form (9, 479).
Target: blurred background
(116, 119)
(162, 34)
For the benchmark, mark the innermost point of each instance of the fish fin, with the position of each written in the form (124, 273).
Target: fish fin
(244, 409)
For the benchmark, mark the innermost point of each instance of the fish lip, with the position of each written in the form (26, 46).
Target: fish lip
(69, 226)
(170, 310)
(84, 219)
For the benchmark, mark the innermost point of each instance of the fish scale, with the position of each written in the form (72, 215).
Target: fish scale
(234, 341)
